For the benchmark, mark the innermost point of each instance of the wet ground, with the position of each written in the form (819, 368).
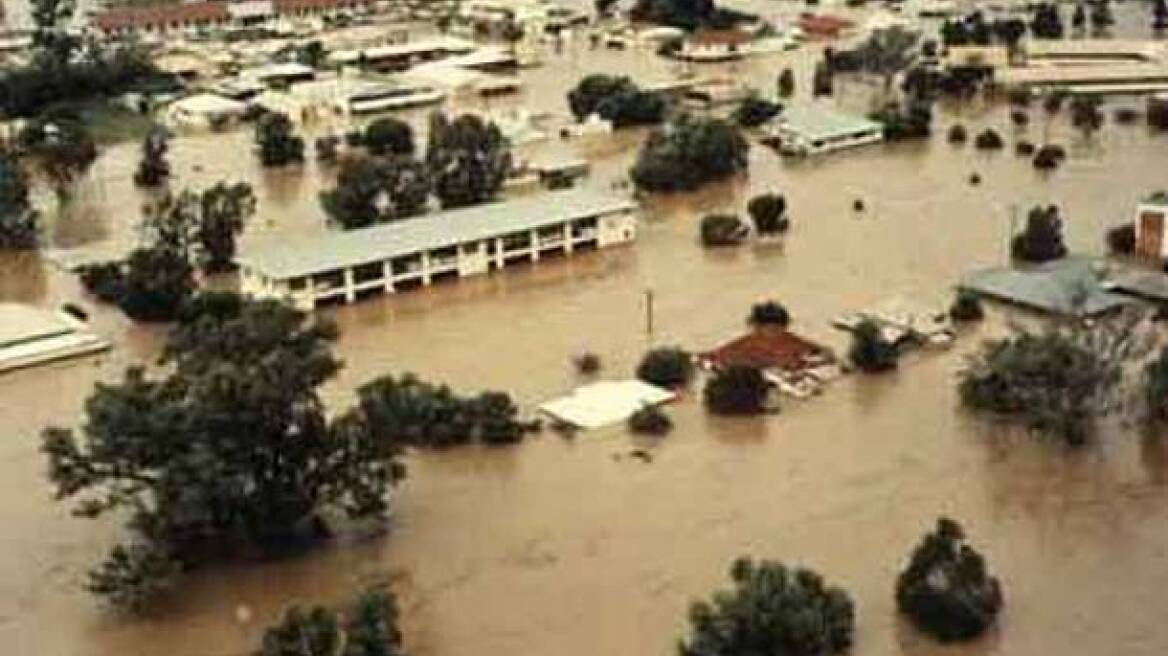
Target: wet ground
(565, 547)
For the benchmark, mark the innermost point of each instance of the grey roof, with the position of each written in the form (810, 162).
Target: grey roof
(818, 121)
(1152, 285)
(282, 259)
(1069, 286)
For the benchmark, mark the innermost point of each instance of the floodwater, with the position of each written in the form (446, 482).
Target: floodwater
(566, 547)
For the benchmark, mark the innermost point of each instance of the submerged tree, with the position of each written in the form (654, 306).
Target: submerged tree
(372, 190)
(721, 230)
(946, 589)
(468, 159)
(768, 212)
(227, 452)
(276, 140)
(688, 153)
(1058, 382)
(18, 219)
(1042, 238)
(617, 99)
(786, 83)
(666, 366)
(1085, 114)
(153, 168)
(61, 147)
(870, 352)
(771, 609)
(769, 313)
(755, 110)
(389, 136)
(737, 390)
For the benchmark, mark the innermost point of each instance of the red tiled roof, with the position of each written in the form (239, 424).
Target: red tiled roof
(766, 347)
(160, 15)
(719, 37)
(823, 24)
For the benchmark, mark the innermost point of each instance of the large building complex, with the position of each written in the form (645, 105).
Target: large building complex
(345, 266)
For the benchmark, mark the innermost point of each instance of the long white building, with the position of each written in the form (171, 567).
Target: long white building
(345, 266)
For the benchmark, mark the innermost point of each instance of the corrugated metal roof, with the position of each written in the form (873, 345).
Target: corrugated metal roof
(1071, 286)
(816, 121)
(284, 259)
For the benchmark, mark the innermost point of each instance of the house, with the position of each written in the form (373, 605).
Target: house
(824, 26)
(797, 366)
(812, 129)
(1150, 222)
(344, 266)
(1071, 286)
(31, 335)
(714, 46)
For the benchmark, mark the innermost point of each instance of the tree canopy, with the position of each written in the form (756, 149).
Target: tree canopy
(389, 136)
(768, 212)
(737, 390)
(228, 452)
(617, 99)
(771, 609)
(366, 627)
(769, 313)
(870, 352)
(946, 589)
(468, 159)
(1041, 239)
(276, 140)
(371, 190)
(666, 366)
(18, 219)
(688, 153)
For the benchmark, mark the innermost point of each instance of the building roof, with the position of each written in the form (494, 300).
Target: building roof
(824, 24)
(1069, 286)
(720, 37)
(1086, 73)
(208, 103)
(766, 347)
(291, 258)
(604, 403)
(820, 121)
(447, 45)
(131, 17)
(21, 323)
(1152, 285)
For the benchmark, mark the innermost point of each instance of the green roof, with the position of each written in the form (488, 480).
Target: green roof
(283, 259)
(824, 122)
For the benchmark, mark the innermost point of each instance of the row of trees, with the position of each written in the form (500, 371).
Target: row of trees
(181, 232)
(367, 626)
(466, 163)
(945, 590)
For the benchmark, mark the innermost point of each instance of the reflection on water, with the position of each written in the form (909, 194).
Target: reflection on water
(564, 547)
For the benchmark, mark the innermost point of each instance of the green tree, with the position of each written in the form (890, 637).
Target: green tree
(650, 420)
(754, 111)
(371, 625)
(229, 450)
(688, 153)
(276, 141)
(721, 230)
(737, 390)
(372, 190)
(966, 307)
(617, 99)
(155, 284)
(389, 136)
(409, 411)
(467, 158)
(1042, 238)
(153, 168)
(61, 146)
(1086, 114)
(870, 352)
(946, 589)
(768, 212)
(53, 46)
(224, 211)
(786, 85)
(18, 219)
(769, 313)
(771, 609)
(301, 632)
(1055, 383)
(1155, 388)
(666, 366)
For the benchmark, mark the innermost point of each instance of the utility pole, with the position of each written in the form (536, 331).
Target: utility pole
(649, 314)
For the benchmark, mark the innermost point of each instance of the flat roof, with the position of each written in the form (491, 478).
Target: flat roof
(606, 402)
(823, 122)
(24, 323)
(283, 259)
(1112, 72)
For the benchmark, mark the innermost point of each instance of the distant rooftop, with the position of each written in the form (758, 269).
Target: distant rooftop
(284, 259)
(820, 121)
(1072, 286)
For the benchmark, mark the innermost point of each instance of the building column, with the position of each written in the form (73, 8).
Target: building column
(534, 245)
(568, 238)
(350, 293)
(426, 268)
(387, 275)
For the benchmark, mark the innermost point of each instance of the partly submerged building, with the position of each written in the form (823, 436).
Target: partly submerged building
(344, 266)
(810, 129)
(1071, 286)
(30, 336)
(796, 365)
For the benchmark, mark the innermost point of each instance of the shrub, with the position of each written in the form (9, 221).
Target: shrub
(910, 121)
(666, 366)
(722, 230)
(689, 153)
(1121, 239)
(957, 134)
(768, 212)
(1024, 148)
(988, 139)
(771, 609)
(753, 111)
(737, 390)
(870, 352)
(769, 313)
(945, 589)
(1048, 157)
(1019, 118)
(966, 307)
(1042, 238)
(650, 420)
(587, 363)
(105, 281)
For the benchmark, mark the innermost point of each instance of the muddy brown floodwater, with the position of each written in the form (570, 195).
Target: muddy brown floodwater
(562, 547)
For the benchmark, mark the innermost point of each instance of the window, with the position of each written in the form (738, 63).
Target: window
(329, 279)
(368, 272)
(471, 248)
(297, 284)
